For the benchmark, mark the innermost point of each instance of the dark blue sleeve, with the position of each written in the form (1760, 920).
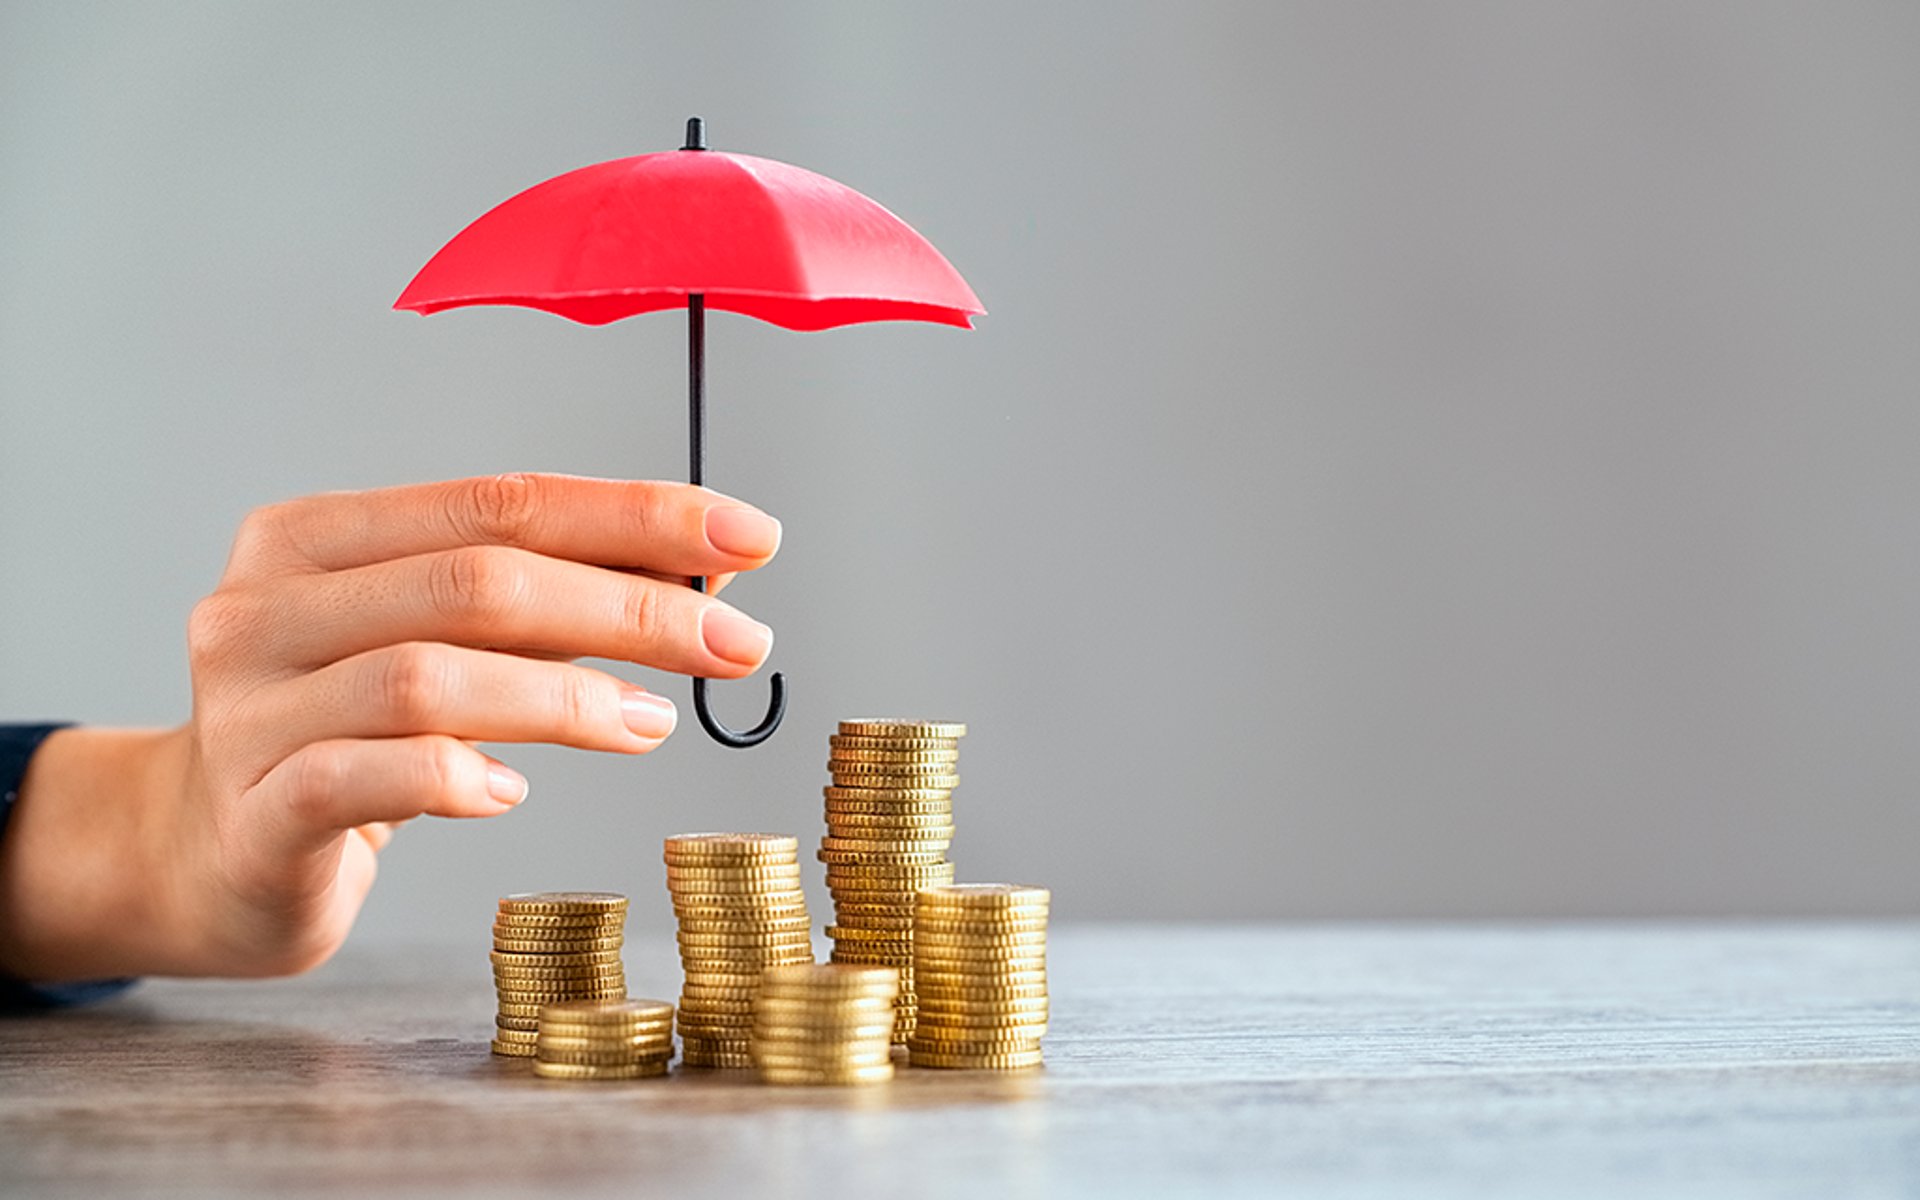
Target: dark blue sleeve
(17, 744)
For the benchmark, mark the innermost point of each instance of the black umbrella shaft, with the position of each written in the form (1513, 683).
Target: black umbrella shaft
(697, 394)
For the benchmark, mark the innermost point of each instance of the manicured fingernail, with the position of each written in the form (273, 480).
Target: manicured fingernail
(736, 638)
(646, 714)
(748, 532)
(505, 784)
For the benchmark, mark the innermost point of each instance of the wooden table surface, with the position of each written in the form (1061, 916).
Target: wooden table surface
(1694, 1060)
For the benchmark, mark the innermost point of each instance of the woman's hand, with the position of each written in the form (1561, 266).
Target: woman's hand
(355, 648)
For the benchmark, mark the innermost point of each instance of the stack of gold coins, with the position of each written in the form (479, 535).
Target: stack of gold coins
(825, 1024)
(980, 962)
(604, 1039)
(889, 823)
(741, 911)
(549, 947)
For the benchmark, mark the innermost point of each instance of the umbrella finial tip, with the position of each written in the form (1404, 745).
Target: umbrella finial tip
(696, 134)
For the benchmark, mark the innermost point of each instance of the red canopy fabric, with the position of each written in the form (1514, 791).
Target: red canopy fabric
(754, 236)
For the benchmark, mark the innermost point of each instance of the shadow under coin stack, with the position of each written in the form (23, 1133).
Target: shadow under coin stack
(889, 823)
(604, 1039)
(980, 962)
(550, 947)
(741, 910)
(825, 1024)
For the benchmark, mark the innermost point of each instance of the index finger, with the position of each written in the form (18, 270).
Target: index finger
(672, 528)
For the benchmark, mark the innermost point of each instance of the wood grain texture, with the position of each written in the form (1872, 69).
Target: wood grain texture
(1587, 1060)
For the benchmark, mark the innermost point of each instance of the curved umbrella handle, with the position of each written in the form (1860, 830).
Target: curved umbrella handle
(696, 473)
(776, 712)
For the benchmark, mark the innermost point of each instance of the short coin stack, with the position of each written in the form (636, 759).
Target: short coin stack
(980, 962)
(604, 1039)
(550, 947)
(889, 823)
(825, 1024)
(741, 910)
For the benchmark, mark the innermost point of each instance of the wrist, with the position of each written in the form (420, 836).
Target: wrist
(82, 891)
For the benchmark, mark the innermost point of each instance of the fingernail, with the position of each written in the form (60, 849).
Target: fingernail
(646, 714)
(748, 532)
(736, 637)
(505, 784)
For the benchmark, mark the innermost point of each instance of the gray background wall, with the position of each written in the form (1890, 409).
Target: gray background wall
(1422, 459)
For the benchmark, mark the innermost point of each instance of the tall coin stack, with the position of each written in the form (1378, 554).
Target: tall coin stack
(980, 963)
(889, 823)
(604, 1039)
(825, 1024)
(549, 947)
(741, 910)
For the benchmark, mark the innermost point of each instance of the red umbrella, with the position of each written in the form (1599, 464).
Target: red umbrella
(707, 230)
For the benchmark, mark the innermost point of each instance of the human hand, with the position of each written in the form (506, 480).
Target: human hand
(356, 647)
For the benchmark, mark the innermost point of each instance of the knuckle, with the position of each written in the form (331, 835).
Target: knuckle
(500, 509)
(412, 683)
(580, 703)
(218, 623)
(259, 530)
(648, 614)
(442, 767)
(477, 583)
(320, 773)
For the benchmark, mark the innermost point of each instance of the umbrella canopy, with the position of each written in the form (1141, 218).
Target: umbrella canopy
(641, 234)
(694, 228)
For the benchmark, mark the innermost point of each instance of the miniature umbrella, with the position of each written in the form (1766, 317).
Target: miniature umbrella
(707, 230)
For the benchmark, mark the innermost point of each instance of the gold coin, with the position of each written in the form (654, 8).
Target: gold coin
(855, 954)
(905, 851)
(989, 895)
(893, 768)
(559, 925)
(639, 1070)
(892, 755)
(513, 1049)
(970, 926)
(938, 977)
(610, 1012)
(758, 957)
(873, 780)
(703, 926)
(717, 1027)
(887, 858)
(611, 989)
(529, 1024)
(585, 1037)
(596, 1059)
(975, 1006)
(897, 908)
(810, 1014)
(939, 830)
(514, 1035)
(919, 798)
(772, 872)
(926, 1056)
(595, 946)
(900, 927)
(984, 997)
(732, 843)
(968, 939)
(589, 958)
(880, 810)
(563, 902)
(897, 727)
(854, 741)
(542, 976)
(770, 906)
(854, 933)
(824, 979)
(955, 1028)
(747, 978)
(769, 1056)
(880, 1030)
(923, 874)
(745, 935)
(696, 991)
(527, 1012)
